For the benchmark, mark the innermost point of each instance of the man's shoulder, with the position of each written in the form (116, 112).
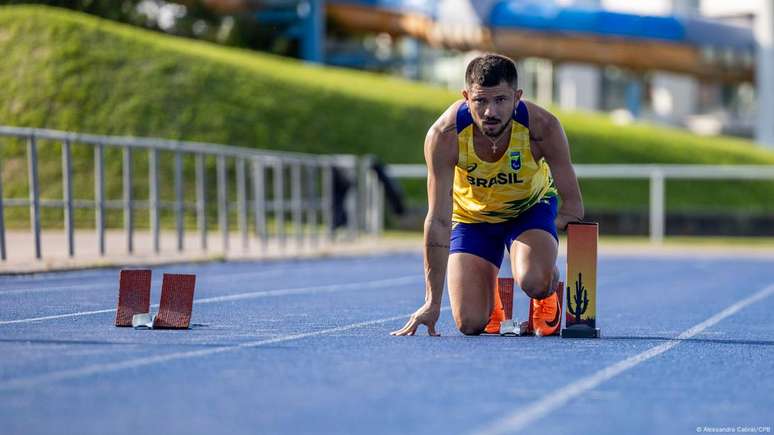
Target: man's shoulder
(446, 124)
(540, 119)
(441, 139)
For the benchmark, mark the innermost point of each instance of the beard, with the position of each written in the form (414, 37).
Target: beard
(493, 134)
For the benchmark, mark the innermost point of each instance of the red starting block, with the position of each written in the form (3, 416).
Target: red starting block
(505, 289)
(133, 295)
(177, 294)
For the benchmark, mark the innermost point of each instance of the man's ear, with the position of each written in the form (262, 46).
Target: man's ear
(518, 94)
(465, 94)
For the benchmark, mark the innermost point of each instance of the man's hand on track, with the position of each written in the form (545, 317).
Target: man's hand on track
(426, 315)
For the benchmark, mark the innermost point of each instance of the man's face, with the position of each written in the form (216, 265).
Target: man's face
(492, 106)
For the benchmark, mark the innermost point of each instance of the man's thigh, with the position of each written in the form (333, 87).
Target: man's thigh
(471, 280)
(533, 262)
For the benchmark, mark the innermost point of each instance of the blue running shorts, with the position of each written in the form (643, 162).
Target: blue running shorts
(488, 240)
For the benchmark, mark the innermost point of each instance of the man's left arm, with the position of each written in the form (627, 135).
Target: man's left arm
(556, 150)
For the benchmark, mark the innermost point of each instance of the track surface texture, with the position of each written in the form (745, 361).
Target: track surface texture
(304, 347)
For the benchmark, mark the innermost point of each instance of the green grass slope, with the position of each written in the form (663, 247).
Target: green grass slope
(70, 71)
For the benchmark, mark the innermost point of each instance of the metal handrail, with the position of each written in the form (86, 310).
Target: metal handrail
(656, 173)
(161, 144)
(310, 177)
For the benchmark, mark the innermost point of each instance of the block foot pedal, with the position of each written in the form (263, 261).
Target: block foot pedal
(581, 313)
(133, 295)
(177, 294)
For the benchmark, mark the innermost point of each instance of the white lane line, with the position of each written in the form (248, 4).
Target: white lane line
(41, 285)
(34, 381)
(555, 399)
(56, 316)
(248, 295)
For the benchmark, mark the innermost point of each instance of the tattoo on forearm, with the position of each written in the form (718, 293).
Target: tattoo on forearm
(442, 221)
(436, 245)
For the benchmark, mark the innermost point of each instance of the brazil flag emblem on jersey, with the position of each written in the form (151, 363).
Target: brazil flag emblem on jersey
(515, 160)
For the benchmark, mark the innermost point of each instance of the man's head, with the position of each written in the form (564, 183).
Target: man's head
(491, 90)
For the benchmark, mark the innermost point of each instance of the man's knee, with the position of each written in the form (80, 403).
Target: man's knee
(537, 285)
(472, 325)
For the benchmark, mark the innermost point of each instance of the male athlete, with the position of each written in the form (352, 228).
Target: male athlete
(495, 167)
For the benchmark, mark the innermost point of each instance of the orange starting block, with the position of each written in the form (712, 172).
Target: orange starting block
(581, 317)
(581, 292)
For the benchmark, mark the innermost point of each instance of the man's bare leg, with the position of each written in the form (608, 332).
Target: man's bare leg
(471, 282)
(533, 262)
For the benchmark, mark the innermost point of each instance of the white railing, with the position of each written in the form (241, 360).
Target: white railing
(657, 174)
(308, 204)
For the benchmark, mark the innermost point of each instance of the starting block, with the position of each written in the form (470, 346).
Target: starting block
(581, 292)
(133, 295)
(511, 326)
(177, 294)
(580, 319)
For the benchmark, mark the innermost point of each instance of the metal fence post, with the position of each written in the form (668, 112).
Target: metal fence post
(2, 217)
(222, 201)
(99, 197)
(353, 199)
(657, 206)
(279, 203)
(67, 194)
(327, 200)
(361, 194)
(310, 202)
(153, 197)
(259, 201)
(34, 188)
(242, 202)
(295, 201)
(179, 210)
(128, 205)
(371, 199)
(378, 207)
(201, 201)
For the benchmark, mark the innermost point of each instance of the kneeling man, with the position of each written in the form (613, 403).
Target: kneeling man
(499, 177)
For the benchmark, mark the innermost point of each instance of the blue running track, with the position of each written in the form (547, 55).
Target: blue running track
(303, 347)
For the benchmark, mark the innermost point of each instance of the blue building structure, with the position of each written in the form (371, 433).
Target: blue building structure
(703, 50)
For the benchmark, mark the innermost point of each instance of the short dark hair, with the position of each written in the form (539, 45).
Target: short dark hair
(490, 70)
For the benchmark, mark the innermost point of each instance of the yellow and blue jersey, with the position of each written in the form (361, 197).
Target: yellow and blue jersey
(498, 191)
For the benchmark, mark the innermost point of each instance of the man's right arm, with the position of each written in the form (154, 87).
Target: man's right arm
(441, 157)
